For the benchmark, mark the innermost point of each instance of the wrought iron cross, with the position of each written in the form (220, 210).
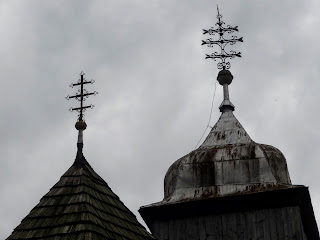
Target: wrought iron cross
(222, 42)
(81, 96)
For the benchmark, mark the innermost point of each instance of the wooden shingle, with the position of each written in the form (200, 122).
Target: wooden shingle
(80, 206)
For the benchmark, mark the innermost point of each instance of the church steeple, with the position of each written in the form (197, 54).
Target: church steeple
(230, 187)
(80, 205)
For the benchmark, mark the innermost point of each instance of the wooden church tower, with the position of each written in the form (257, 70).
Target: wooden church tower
(230, 188)
(81, 205)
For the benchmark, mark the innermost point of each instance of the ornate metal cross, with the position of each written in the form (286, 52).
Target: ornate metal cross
(81, 96)
(222, 42)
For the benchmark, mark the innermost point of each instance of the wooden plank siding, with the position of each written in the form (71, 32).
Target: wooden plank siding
(266, 224)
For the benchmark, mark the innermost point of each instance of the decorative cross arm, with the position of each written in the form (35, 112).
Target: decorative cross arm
(222, 42)
(79, 108)
(84, 95)
(230, 55)
(81, 96)
(220, 30)
(79, 83)
(209, 42)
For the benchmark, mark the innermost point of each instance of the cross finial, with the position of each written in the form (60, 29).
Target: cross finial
(224, 77)
(81, 96)
(222, 42)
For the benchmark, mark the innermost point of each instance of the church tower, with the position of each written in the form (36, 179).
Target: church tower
(81, 205)
(230, 187)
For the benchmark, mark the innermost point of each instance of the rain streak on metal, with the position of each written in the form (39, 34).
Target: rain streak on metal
(222, 42)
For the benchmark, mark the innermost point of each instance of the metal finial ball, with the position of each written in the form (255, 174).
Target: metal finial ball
(224, 77)
(81, 125)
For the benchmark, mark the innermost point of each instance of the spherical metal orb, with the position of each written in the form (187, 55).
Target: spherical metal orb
(224, 77)
(81, 125)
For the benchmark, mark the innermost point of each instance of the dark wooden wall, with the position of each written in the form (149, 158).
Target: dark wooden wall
(267, 224)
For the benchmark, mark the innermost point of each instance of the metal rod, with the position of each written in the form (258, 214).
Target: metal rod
(81, 99)
(79, 108)
(225, 91)
(80, 136)
(76, 84)
(79, 95)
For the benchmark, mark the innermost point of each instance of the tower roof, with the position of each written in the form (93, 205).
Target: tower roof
(228, 162)
(80, 205)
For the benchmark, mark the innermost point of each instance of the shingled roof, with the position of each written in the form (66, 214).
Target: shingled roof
(80, 206)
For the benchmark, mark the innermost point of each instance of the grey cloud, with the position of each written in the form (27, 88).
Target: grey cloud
(155, 91)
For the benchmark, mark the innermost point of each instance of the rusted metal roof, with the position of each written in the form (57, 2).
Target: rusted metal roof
(80, 206)
(228, 162)
(227, 130)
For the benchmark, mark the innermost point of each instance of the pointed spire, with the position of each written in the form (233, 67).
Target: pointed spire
(81, 97)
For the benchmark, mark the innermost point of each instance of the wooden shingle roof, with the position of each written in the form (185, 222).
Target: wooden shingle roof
(80, 206)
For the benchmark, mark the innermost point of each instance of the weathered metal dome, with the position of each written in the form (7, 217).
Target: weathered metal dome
(228, 162)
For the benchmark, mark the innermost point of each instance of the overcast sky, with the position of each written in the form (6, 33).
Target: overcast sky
(155, 90)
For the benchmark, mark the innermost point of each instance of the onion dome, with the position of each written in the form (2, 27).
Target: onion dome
(227, 162)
